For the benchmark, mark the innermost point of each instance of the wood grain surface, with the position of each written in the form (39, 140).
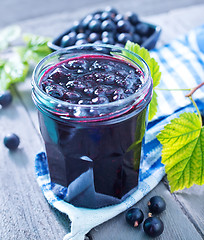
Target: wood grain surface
(12, 11)
(25, 213)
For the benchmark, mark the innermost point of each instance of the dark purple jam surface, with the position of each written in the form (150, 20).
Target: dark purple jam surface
(91, 80)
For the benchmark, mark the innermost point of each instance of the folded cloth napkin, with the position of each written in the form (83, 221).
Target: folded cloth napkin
(182, 66)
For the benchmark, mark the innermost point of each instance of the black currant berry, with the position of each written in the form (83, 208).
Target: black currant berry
(68, 40)
(124, 37)
(156, 205)
(107, 34)
(81, 41)
(123, 26)
(111, 10)
(80, 36)
(118, 17)
(97, 16)
(142, 29)
(77, 27)
(95, 25)
(134, 217)
(153, 226)
(106, 15)
(86, 21)
(5, 98)
(108, 40)
(11, 141)
(132, 17)
(108, 25)
(93, 37)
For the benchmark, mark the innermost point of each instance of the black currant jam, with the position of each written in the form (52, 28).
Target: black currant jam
(92, 114)
(91, 79)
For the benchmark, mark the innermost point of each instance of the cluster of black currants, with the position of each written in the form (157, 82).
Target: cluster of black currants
(11, 140)
(107, 27)
(153, 225)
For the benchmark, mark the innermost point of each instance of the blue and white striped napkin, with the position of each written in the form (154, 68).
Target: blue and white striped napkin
(182, 66)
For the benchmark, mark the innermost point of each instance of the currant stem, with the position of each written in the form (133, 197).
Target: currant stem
(174, 89)
(189, 95)
(195, 105)
(194, 89)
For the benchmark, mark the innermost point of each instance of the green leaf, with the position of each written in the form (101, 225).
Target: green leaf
(36, 48)
(183, 151)
(8, 35)
(154, 69)
(153, 106)
(16, 68)
(32, 40)
(155, 73)
(13, 71)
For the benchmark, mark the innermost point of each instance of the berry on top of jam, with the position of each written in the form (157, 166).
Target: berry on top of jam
(91, 79)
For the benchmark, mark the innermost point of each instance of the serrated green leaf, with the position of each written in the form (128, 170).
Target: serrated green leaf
(153, 106)
(34, 40)
(16, 68)
(155, 73)
(9, 34)
(13, 71)
(31, 56)
(35, 50)
(183, 151)
(154, 69)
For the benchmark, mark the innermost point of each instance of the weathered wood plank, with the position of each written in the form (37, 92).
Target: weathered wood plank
(176, 224)
(22, 9)
(24, 212)
(192, 202)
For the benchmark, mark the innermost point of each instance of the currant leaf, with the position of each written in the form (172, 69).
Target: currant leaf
(154, 69)
(153, 106)
(35, 50)
(13, 71)
(183, 151)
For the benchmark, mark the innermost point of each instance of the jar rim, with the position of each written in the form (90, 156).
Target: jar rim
(39, 91)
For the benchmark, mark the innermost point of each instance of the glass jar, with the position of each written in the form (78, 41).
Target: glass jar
(93, 151)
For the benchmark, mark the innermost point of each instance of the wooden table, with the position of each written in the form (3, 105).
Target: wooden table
(25, 213)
